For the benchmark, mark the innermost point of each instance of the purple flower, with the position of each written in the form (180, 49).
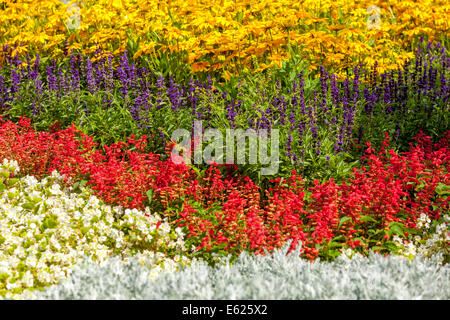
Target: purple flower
(51, 77)
(334, 91)
(338, 146)
(193, 98)
(122, 74)
(35, 72)
(2, 92)
(74, 71)
(231, 112)
(90, 78)
(174, 94)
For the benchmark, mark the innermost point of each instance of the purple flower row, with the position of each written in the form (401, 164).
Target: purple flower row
(331, 109)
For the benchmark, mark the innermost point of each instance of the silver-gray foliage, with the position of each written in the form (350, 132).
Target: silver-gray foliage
(274, 276)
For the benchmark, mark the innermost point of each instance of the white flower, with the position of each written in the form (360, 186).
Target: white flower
(164, 228)
(56, 255)
(20, 252)
(4, 267)
(110, 219)
(440, 228)
(55, 175)
(28, 279)
(31, 181)
(93, 201)
(13, 190)
(55, 243)
(77, 215)
(154, 272)
(55, 189)
(65, 232)
(79, 202)
(46, 256)
(348, 252)
(44, 277)
(31, 261)
(11, 286)
(41, 265)
(91, 232)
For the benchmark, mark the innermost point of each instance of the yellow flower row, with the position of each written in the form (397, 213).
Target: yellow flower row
(229, 35)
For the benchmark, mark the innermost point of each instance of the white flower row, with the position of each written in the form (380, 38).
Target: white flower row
(45, 230)
(428, 243)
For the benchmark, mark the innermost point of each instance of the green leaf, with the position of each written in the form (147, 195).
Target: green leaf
(83, 182)
(367, 218)
(390, 246)
(411, 231)
(28, 206)
(396, 228)
(95, 220)
(442, 189)
(334, 253)
(149, 194)
(39, 237)
(4, 174)
(334, 244)
(343, 220)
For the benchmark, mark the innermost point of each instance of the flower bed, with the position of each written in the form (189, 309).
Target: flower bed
(223, 212)
(93, 103)
(45, 230)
